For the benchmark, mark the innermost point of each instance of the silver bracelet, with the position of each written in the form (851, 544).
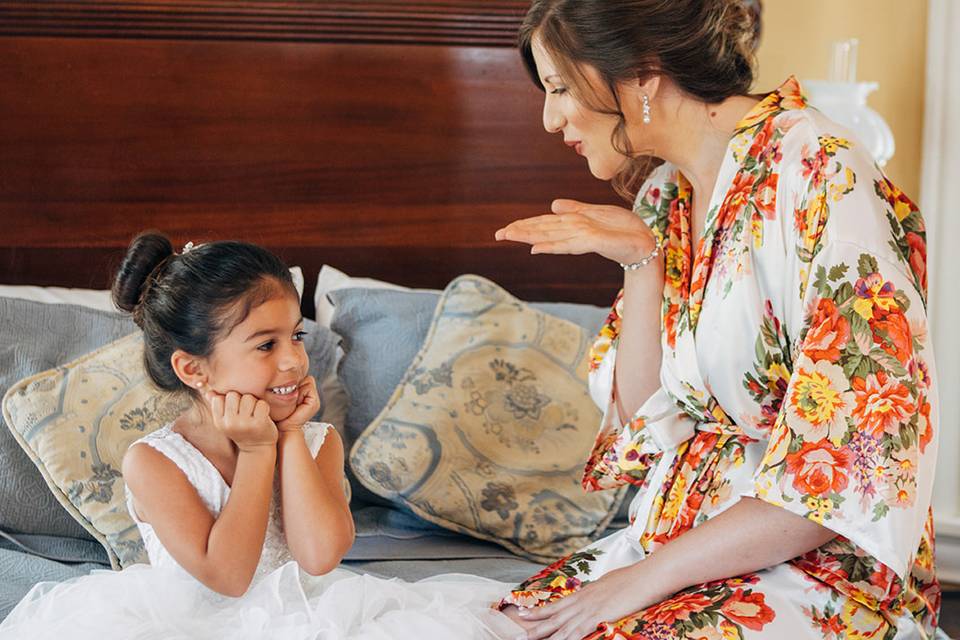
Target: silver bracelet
(644, 261)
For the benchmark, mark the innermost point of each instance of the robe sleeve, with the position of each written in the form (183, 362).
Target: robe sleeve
(854, 443)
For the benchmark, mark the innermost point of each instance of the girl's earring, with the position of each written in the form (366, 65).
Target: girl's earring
(646, 110)
(199, 385)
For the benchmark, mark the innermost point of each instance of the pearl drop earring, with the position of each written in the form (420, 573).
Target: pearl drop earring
(646, 110)
(199, 384)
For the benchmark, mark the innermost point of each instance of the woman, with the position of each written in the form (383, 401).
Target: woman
(766, 373)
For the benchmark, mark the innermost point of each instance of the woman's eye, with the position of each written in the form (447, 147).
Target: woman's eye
(299, 336)
(558, 91)
(266, 346)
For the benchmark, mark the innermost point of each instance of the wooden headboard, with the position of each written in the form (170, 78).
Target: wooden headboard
(387, 138)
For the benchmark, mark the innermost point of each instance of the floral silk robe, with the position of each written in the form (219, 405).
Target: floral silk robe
(796, 369)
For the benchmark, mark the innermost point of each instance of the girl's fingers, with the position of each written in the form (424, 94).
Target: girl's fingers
(261, 409)
(248, 403)
(216, 402)
(231, 403)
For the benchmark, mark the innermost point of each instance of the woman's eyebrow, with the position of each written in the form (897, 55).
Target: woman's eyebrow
(552, 78)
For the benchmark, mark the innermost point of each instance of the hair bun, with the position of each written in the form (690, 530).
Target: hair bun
(145, 253)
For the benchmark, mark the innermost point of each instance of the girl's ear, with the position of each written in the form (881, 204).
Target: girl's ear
(189, 368)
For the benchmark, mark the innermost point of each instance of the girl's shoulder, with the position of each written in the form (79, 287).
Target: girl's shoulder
(316, 433)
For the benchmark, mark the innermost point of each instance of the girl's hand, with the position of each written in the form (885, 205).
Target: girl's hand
(308, 403)
(245, 419)
(612, 597)
(577, 228)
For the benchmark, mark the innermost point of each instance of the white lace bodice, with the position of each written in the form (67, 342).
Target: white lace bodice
(213, 491)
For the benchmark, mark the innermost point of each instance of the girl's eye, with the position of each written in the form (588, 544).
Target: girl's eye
(266, 346)
(299, 336)
(558, 91)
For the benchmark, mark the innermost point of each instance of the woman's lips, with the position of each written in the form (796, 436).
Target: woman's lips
(576, 144)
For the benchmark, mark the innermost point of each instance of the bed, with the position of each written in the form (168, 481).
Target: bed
(389, 139)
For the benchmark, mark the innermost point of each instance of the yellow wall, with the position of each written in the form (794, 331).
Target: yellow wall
(797, 39)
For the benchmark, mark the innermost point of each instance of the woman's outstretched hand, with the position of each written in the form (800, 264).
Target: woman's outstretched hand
(578, 227)
(244, 418)
(614, 596)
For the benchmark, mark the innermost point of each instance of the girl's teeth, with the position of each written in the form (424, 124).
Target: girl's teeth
(283, 390)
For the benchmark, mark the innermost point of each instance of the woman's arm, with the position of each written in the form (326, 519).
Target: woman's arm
(750, 536)
(316, 515)
(619, 235)
(639, 339)
(221, 552)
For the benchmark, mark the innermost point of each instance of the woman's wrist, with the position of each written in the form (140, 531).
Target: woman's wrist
(644, 255)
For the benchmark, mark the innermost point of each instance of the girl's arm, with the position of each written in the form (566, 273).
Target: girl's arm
(750, 536)
(316, 516)
(221, 552)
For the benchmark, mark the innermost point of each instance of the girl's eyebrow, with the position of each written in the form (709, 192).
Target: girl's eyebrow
(268, 332)
(552, 78)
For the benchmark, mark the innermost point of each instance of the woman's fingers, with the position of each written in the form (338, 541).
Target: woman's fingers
(548, 610)
(573, 246)
(551, 626)
(566, 205)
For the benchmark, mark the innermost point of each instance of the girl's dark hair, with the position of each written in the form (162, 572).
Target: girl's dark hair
(190, 301)
(705, 46)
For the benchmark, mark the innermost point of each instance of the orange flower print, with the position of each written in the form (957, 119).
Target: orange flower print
(924, 428)
(898, 339)
(829, 334)
(918, 257)
(873, 292)
(739, 195)
(763, 142)
(819, 401)
(677, 608)
(883, 403)
(749, 610)
(819, 468)
(670, 319)
(766, 197)
(789, 96)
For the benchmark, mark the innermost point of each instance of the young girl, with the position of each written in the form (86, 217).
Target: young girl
(240, 500)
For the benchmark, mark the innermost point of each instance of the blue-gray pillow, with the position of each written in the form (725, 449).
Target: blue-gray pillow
(382, 330)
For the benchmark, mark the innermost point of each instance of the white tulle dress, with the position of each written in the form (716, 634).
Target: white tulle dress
(162, 600)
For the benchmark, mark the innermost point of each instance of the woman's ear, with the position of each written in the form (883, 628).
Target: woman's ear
(189, 368)
(650, 87)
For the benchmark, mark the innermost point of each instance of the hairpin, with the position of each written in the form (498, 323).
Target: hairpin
(187, 248)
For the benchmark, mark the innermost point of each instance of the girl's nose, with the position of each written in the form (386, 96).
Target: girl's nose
(292, 357)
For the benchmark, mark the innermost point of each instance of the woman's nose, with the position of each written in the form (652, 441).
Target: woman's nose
(553, 120)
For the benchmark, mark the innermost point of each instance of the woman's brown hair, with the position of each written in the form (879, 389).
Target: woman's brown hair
(705, 46)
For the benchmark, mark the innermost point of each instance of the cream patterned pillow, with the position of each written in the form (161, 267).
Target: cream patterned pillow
(76, 422)
(489, 429)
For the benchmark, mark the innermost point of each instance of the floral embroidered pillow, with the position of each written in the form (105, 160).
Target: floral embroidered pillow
(488, 431)
(75, 423)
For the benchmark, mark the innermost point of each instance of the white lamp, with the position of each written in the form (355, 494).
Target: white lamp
(843, 99)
